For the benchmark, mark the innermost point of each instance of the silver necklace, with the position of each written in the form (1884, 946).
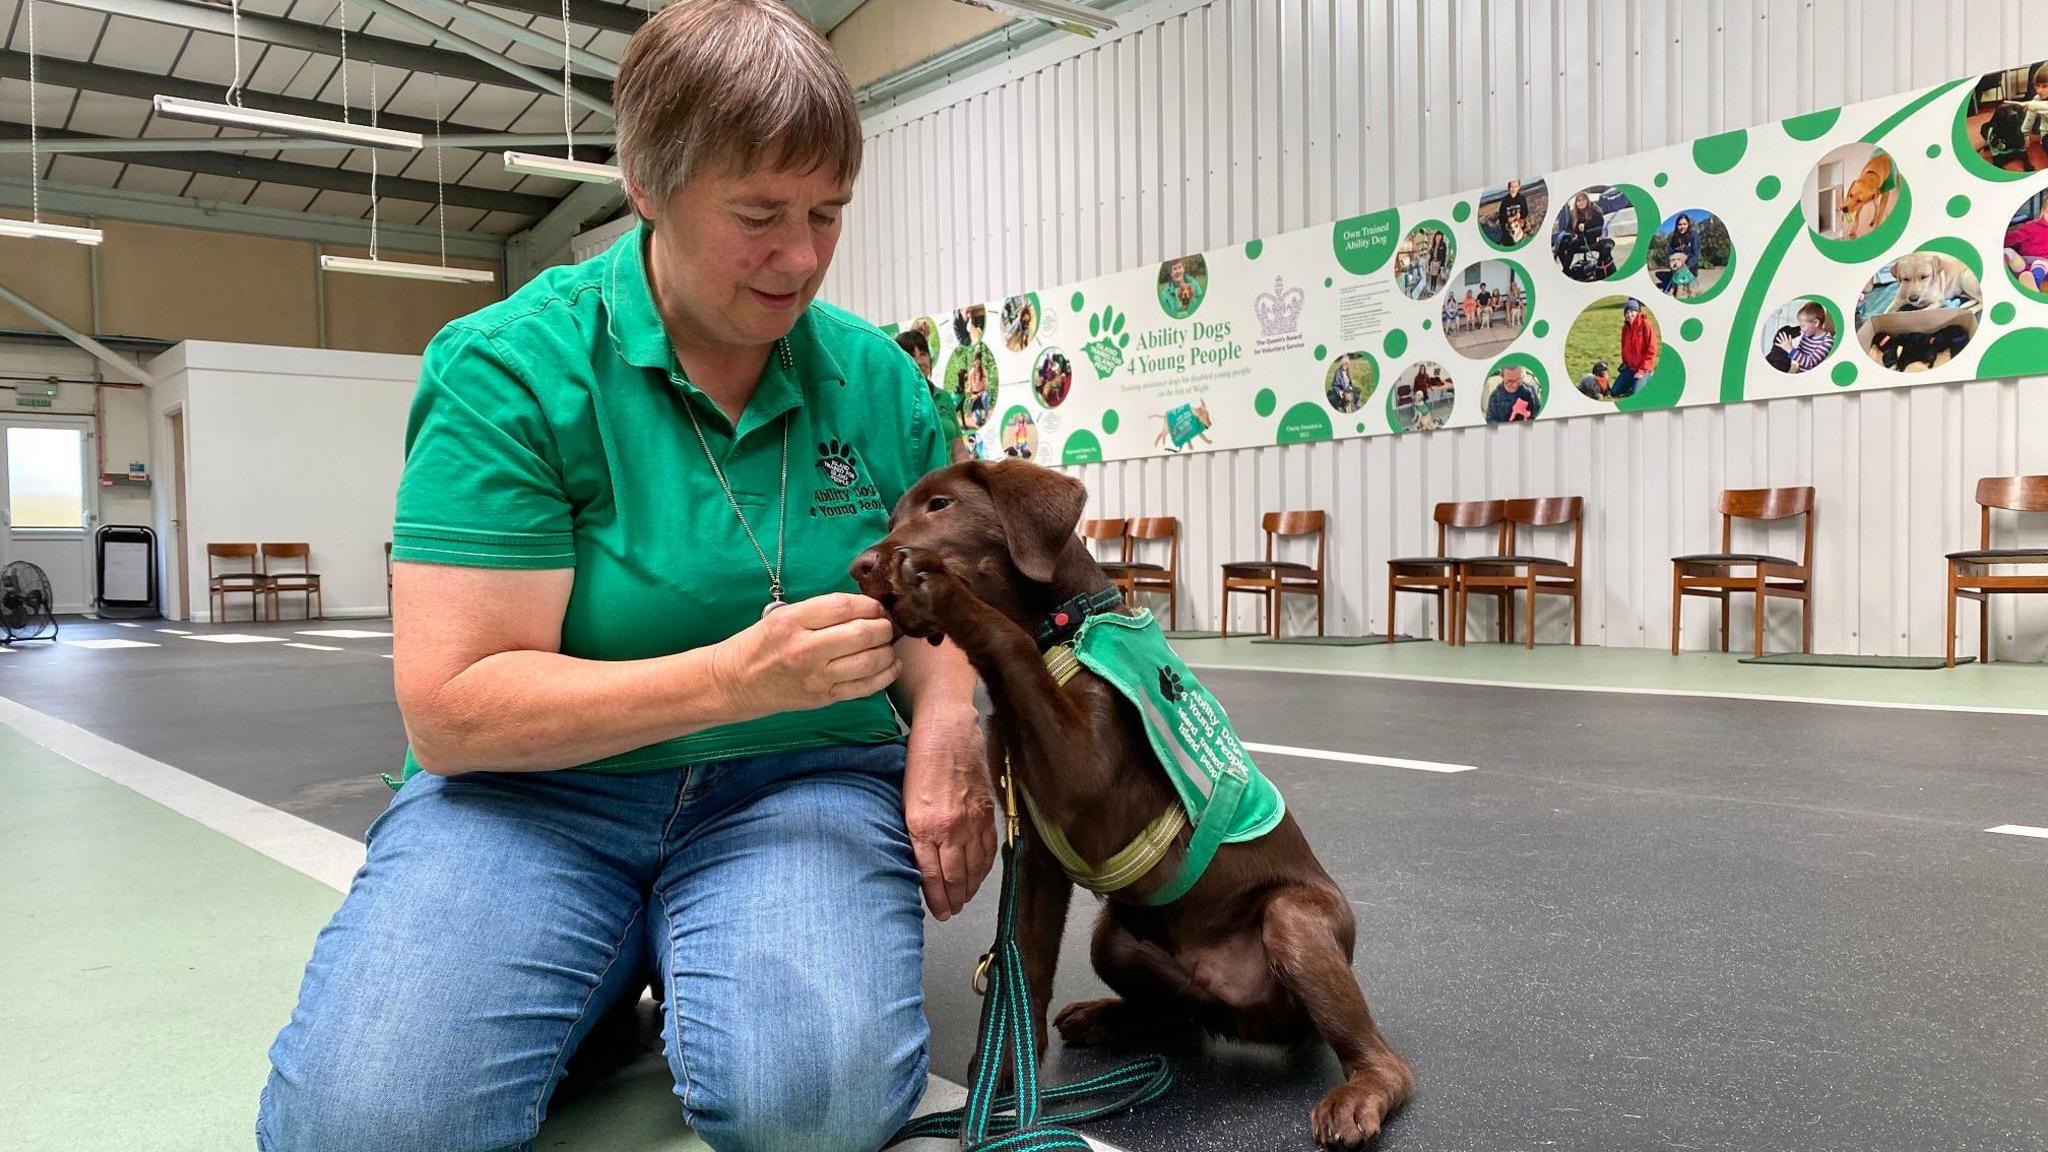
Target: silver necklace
(782, 504)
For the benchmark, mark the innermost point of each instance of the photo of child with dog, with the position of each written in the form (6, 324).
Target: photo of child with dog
(1612, 348)
(1183, 282)
(971, 378)
(1513, 394)
(1689, 254)
(1594, 233)
(2026, 246)
(1509, 214)
(1485, 323)
(1052, 378)
(1423, 398)
(2007, 117)
(1850, 192)
(1020, 434)
(1422, 261)
(1349, 382)
(1020, 322)
(1918, 312)
(1798, 336)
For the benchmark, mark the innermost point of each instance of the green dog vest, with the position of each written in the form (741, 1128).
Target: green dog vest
(1223, 794)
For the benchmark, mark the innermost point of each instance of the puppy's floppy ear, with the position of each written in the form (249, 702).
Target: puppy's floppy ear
(1039, 510)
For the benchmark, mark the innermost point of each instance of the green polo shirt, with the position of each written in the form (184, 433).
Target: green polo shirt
(550, 431)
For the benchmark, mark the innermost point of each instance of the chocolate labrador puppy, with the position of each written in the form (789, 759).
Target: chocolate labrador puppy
(1259, 949)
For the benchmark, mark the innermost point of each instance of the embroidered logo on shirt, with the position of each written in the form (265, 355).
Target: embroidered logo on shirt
(844, 493)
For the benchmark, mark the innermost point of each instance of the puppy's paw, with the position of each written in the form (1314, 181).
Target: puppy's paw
(921, 591)
(1352, 1113)
(1097, 1023)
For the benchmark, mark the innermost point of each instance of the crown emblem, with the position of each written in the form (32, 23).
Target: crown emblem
(1279, 310)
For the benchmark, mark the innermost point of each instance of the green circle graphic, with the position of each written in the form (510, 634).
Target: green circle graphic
(1079, 302)
(1304, 424)
(1768, 188)
(1717, 154)
(1425, 325)
(1252, 248)
(1844, 374)
(1958, 206)
(1662, 179)
(1934, 151)
(1666, 385)
(1081, 448)
(1813, 125)
(1328, 282)
(1111, 421)
(1691, 329)
(2003, 312)
(1321, 351)
(1541, 328)
(1462, 211)
(1364, 244)
(2020, 352)
(1396, 343)
(1265, 402)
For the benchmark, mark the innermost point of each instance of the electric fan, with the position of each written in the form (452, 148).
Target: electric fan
(25, 608)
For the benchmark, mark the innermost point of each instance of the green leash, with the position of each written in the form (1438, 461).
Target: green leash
(1018, 1121)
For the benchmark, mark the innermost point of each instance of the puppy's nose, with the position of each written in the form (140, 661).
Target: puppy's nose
(865, 564)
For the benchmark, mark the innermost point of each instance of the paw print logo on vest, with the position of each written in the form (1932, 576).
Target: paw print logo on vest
(836, 462)
(1171, 686)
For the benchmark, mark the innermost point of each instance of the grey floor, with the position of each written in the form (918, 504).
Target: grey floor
(1644, 922)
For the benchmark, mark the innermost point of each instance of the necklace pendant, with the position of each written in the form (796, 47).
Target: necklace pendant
(772, 605)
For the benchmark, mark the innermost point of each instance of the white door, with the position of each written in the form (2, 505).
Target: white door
(49, 503)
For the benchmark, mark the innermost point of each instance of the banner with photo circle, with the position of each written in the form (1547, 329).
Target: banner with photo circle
(1895, 242)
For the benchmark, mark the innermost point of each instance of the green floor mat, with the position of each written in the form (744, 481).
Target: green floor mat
(1339, 641)
(1188, 634)
(1816, 660)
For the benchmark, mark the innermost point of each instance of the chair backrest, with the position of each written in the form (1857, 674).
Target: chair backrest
(1092, 530)
(1547, 512)
(1766, 504)
(1299, 523)
(1164, 528)
(1470, 514)
(232, 552)
(301, 552)
(2012, 493)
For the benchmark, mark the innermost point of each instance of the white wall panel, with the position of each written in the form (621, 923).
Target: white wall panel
(1207, 124)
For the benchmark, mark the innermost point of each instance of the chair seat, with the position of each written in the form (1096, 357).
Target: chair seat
(227, 579)
(286, 577)
(1141, 566)
(1250, 567)
(1502, 561)
(2002, 556)
(1426, 561)
(1727, 559)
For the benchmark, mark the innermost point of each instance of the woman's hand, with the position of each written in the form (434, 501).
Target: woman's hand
(812, 653)
(949, 807)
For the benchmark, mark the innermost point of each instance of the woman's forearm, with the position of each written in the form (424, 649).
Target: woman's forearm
(529, 711)
(934, 679)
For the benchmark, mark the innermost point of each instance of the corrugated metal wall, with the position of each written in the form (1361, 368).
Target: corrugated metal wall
(1212, 123)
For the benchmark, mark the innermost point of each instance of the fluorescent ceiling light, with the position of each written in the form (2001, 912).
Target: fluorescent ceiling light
(1072, 17)
(535, 164)
(30, 230)
(260, 120)
(407, 271)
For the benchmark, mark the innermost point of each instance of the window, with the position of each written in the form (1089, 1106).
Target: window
(45, 477)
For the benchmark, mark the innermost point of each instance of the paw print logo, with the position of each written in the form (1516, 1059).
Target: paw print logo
(836, 461)
(1171, 685)
(1106, 350)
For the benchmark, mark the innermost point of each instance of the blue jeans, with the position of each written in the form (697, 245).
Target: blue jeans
(499, 915)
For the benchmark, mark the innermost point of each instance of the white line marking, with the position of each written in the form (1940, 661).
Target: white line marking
(1621, 691)
(174, 631)
(108, 643)
(315, 647)
(301, 845)
(238, 638)
(1359, 758)
(2020, 830)
(345, 633)
(124, 624)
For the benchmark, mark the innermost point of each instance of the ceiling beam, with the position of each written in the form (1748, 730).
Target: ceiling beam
(327, 42)
(105, 355)
(532, 77)
(102, 204)
(481, 142)
(460, 12)
(311, 176)
(590, 13)
(146, 86)
(536, 248)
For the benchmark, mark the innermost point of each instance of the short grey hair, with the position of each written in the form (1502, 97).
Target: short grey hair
(734, 85)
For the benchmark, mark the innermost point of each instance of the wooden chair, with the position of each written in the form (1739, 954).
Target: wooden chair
(1530, 575)
(303, 580)
(1969, 573)
(1135, 575)
(220, 585)
(1437, 576)
(1115, 532)
(1712, 574)
(1276, 579)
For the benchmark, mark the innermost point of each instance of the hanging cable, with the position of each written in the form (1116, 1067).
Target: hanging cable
(568, 133)
(235, 25)
(373, 162)
(35, 163)
(341, 6)
(440, 205)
